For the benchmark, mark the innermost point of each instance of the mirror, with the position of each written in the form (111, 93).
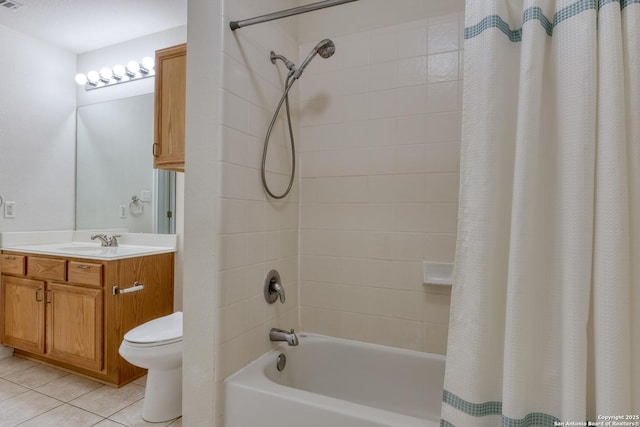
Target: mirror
(116, 186)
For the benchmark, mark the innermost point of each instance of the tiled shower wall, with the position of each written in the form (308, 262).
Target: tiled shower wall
(255, 235)
(380, 136)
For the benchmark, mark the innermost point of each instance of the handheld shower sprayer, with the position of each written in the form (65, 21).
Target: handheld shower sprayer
(325, 48)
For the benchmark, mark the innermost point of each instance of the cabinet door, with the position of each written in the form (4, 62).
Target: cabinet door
(170, 93)
(155, 300)
(23, 313)
(74, 325)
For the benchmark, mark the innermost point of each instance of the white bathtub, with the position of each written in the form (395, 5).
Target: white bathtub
(337, 383)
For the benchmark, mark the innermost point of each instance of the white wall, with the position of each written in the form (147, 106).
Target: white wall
(203, 118)
(37, 133)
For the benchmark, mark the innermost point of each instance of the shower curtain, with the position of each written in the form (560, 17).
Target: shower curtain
(545, 316)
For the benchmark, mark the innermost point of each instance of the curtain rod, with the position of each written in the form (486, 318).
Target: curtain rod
(288, 12)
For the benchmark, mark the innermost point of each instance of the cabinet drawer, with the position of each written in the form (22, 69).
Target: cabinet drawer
(85, 273)
(12, 264)
(47, 268)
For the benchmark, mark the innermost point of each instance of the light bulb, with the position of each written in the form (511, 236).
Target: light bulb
(148, 63)
(106, 73)
(118, 71)
(133, 67)
(81, 79)
(93, 77)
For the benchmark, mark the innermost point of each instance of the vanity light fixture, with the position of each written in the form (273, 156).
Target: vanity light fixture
(118, 74)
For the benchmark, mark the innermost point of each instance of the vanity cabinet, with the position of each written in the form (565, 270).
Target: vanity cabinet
(68, 312)
(170, 94)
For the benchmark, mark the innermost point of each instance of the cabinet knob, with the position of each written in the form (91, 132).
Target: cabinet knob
(38, 296)
(9, 257)
(153, 149)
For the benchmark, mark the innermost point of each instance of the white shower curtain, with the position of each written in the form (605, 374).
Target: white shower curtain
(545, 317)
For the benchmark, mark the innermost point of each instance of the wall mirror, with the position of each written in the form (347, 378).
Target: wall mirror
(117, 188)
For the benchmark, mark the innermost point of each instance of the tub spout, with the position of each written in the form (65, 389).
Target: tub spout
(281, 335)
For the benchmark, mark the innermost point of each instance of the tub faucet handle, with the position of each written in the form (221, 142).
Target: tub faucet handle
(276, 287)
(273, 288)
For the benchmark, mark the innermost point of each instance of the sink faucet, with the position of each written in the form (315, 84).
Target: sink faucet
(111, 241)
(281, 335)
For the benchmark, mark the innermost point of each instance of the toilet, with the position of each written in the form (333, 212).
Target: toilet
(157, 346)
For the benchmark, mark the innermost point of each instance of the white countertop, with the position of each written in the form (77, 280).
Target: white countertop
(79, 244)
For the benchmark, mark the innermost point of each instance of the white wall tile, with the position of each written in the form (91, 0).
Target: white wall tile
(412, 42)
(354, 50)
(412, 71)
(411, 100)
(383, 45)
(442, 67)
(382, 75)
(235, 148)
(443, 35)
(235, 112)
(442, 97)
(384, 103)
(441, 217)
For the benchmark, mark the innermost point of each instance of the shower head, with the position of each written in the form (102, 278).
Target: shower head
(325, 48)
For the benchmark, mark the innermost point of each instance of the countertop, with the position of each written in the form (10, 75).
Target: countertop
(80, 245)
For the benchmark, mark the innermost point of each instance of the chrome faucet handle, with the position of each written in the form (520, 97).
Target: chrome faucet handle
(276, 288)
(113, 240)
(103, 238)
(273, 287)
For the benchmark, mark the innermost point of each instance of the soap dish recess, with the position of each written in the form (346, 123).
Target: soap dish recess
(437, 273)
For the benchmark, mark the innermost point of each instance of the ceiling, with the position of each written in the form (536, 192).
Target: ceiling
(80, 26)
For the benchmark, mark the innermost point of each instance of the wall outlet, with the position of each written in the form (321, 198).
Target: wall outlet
(9, 209)
(145, 195)
(123, 211)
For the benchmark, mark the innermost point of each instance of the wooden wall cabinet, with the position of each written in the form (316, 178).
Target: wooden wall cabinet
(170, 93)
(64, 311)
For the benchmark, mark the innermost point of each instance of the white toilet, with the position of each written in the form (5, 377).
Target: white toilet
(157, 346)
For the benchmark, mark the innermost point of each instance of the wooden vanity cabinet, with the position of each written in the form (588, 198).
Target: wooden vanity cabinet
(169, 117)
(72, 317)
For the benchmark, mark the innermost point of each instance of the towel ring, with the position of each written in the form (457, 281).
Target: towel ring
(136, 207)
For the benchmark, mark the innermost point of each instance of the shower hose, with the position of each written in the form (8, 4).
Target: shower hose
(285, 99)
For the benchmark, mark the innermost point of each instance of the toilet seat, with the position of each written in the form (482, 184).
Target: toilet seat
(161, 331)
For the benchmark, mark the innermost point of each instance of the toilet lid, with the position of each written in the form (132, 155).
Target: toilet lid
(162, 329)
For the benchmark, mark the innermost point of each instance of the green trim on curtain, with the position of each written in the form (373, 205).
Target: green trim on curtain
(534, 419)
(535, 13)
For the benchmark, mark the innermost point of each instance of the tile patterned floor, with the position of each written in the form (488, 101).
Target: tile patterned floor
(35, 395)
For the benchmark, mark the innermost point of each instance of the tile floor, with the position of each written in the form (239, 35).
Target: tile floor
(35, 395)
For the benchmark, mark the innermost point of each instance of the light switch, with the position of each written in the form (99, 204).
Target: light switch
(9, 209)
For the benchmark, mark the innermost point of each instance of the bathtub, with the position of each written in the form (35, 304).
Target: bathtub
(337, 383)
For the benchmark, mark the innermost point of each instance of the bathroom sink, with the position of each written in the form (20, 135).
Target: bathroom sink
(94, 251)
(78, 248)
